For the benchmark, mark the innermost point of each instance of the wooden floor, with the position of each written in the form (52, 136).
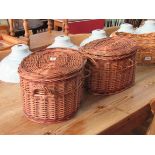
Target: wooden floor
(115, 114)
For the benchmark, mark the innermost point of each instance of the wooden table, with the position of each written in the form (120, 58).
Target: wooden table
(115, 114)
(43, 39)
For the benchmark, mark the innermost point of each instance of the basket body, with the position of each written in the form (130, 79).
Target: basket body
(146, 46)
(51, 99)
(110, 73)
(112, 76)
(54, 101)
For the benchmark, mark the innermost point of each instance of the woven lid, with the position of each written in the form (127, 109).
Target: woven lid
(113, 46)
(51, 63)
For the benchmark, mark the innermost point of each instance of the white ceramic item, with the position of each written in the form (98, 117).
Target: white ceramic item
(96, 34)
(9, 65)
(126, 27)
(148, 27)
(64, 42)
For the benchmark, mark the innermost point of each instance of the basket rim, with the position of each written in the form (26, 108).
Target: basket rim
(114, 57)
(37, 79)
(142, 34)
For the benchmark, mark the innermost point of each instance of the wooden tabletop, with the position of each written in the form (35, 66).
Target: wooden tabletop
(113, 114)
(42, 39)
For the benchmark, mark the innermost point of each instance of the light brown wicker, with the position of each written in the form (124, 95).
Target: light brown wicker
(146, 46)
(113, 65)
(52, 84)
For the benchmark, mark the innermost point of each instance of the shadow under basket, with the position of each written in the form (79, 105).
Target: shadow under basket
(111, 62)
(52, 84)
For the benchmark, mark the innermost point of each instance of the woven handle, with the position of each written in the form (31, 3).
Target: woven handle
(92, 60)
(88, 57)
(88, 72)
(129, 66)
(48, 92)
(132, 63)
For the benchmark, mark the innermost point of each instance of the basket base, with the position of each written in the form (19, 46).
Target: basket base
(107, 94)
(49, 121)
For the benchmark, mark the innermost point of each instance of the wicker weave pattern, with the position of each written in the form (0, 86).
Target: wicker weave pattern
(52, 63)
(115, 46)
(146, 46)
(111, 74)
(53, 97)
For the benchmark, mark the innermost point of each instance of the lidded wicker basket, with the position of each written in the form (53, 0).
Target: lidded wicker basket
(52, 84)
(145, 44)
(113, 64)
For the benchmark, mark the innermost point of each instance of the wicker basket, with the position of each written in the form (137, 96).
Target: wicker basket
(112, 65)
(52, 84)
(146, 46)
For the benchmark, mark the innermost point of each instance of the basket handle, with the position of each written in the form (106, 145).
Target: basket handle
(92, 60)
(47, 92)
(131, 65)
(88, 72)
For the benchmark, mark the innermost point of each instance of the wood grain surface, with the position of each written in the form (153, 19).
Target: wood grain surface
(115, 114)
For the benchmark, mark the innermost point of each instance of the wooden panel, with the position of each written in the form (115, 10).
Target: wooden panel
(151, 130)
(58, 23)
(115, 114)
(134, 120)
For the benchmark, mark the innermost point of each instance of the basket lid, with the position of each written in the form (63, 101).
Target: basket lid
(51, 63)
(108, 47)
